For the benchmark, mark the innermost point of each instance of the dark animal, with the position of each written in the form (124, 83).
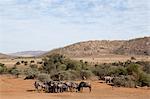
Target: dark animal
(84, 84)
(52, 86)
(71, 86)
(61, 87)
(74, 86)
(39, 86)
(29, 77)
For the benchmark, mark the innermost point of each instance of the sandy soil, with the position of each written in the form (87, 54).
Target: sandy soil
(12, 88)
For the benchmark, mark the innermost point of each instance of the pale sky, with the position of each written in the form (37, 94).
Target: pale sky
(47, 24)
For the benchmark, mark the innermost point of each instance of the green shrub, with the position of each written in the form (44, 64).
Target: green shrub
(31, 72)
(3, 68)
(64, 75)
(146, 66)
(74, 75)
(69, 75)
(102, 71)
(133, 68)
(144, 79)
(86, 74)
(120, 71)
(34, 66)
(43, 77)
(130, 84)
(73, 65)
(125, 81)
(119, 81)
(14, 71)
(61, 67)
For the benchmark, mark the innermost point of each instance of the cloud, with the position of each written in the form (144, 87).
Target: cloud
(61, 8)
(78, 11)
(67, 19)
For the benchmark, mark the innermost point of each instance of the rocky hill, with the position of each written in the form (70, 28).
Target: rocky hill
(139, 46)
(97, 48)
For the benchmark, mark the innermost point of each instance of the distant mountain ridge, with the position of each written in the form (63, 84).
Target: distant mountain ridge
(28, 53)
(4, 56)
(97, 48)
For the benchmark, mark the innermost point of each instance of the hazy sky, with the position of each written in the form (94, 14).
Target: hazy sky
(48, 24)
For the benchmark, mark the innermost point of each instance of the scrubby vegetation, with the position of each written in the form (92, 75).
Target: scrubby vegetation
(62, 68)
(59, 67)
(3, 68)
(14, 71)
(127, 74)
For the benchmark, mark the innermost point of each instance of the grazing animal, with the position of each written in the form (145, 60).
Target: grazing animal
(84, 84)
(29, 77)
(75, 86)
(61, 87)
(108, 79)
(71, 86)
(39, 85)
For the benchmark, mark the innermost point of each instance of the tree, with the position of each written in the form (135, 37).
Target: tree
(52, 63)
(31, 72)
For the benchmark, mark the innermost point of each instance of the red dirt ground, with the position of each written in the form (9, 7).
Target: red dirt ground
(12, 88)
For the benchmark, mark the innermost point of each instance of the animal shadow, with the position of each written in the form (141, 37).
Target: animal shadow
(31, 90)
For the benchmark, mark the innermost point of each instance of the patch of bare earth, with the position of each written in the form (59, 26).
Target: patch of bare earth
(12, 88)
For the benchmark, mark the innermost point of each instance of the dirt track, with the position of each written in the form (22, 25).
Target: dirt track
(11, 88)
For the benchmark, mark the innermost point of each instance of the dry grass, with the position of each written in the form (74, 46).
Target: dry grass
(113, 58)
(101, 59)
(12, 62)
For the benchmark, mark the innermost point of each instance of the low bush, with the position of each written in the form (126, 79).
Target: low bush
(31, 72)
(144, 79)
(34, 66)
(3, 68)
(86, 74)
(43, 77)
(14, 71)
(17, 63)
(68, 75)
(125, 81)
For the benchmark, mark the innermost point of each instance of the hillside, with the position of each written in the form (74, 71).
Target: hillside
(139, 46)
(97, 48)
(3, 56)
(28, 53)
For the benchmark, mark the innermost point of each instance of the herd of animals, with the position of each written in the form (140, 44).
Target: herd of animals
(59, 87)
(68, 86)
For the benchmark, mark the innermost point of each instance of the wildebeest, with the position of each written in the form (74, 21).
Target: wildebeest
(61, 87)
(72, 86)
(58, 87)
(39, 86)
(84, 84)
(29, 77)
(51, 86)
